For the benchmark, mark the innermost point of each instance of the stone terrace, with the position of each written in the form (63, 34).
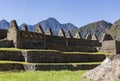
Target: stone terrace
(24, 50)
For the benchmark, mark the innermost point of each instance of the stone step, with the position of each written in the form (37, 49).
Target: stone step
(60, 57)
(11, 55)
(50, 56)
(57, 67)
(11, 67)
(17, 66)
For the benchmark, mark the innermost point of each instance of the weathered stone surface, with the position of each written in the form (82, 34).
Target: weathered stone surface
(106, 37)
(111, 46)
(3, 33)
(24, 27)
(61, 33)
(39, 29)
(11, 67)
(11, 55)
(88, 37)
(6, 43)
(44, 56)
(109, 70)
(59, 57)
(49, 32)
(78, 35)
(12, 32)
(64, 66)
(94, 37)
(13, 24)
(68, 34)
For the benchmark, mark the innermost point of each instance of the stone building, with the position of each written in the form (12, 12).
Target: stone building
(24, 39)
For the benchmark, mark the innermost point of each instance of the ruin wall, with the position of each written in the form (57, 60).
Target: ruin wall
(109, 46)
(35, 40)
(30, 40)
(3, 33)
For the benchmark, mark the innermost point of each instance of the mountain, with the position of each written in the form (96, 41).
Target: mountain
(55, 25)
(95, 28)
(48, 23)
(4, 24)
(115, 30)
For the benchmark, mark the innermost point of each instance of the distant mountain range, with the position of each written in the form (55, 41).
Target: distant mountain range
(48, 23)
(92, 28)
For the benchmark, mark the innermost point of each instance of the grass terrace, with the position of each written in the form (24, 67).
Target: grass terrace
(17, 49)
(83, 53)
(17, 62)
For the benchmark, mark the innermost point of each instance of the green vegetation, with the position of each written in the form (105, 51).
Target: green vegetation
(11, 49)
(115, 30)
(17, 49)
(83, 53)
(42, 76)
(17, 62)
(95, 28)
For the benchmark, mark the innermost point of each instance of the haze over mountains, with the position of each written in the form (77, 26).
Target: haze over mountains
(97, 27)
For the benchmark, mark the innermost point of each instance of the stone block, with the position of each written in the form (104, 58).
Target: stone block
(11, 55)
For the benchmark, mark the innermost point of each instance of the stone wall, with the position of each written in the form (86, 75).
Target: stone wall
(30, 40)
(117, 47)
(110, 46)
(47, 60)
(55, 40)
(48, 67)
(33, 40)
(38, 40)
(59, 57)
(11, 55)
(3, 33)
(83, 42)
(65, 48)
(49, 57)
(6, 43)
(11, 67)
(43, 56)
(83, 58)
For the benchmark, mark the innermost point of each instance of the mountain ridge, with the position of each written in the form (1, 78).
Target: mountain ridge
(45, 24)
(97, 27)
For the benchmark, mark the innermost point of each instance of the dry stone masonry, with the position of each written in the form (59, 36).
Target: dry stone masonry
(39, 40)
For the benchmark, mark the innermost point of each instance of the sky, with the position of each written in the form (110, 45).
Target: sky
(78, 12)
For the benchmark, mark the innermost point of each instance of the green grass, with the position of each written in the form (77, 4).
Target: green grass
(18, 62)
(17, 49)
(42, 76)
(11, 49)
(83, 53)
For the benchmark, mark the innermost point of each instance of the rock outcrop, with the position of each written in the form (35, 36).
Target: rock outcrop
(109, 70)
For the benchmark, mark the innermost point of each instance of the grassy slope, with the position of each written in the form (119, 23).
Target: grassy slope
(42, 76)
